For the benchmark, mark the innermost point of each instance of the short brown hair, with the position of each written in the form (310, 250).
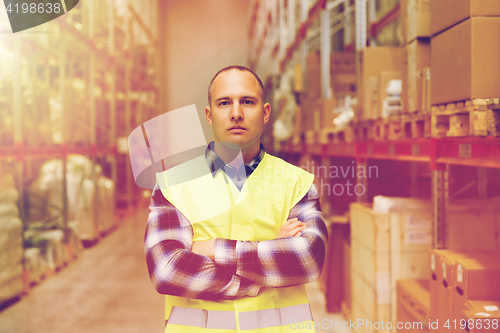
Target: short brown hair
(240, 68)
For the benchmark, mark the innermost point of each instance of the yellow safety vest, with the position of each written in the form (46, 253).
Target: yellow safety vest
(217, 209)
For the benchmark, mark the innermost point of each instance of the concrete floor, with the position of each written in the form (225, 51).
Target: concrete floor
(107, 290)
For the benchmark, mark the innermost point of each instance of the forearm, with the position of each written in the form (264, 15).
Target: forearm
(183, 273)
(175, 270)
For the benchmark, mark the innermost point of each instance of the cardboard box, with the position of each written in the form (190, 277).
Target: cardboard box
(442, 268)
(426, 90)
(481, 316)
(343, 83)
(418, 19)
(323, 113)
(377, 59)
(307, 112)
(482, 321)
(298, 119)
(477, 278)
(342, 72)
(313, 82)
(403, 18)
(465, 61)
(483, 234)
(374, 60)
(386, 246)
(313, 75)
(371, 98)
(446, 13)
(298, 78)
(413, 304)
(342, 62)
(418, 57)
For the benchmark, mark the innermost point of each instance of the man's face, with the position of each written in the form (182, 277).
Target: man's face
(236, 111)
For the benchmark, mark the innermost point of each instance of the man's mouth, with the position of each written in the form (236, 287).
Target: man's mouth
(237, 129)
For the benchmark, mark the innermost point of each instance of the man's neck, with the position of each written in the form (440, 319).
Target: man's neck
(234, 156)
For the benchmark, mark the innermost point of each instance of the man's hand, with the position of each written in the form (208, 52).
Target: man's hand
(204, 248)
(291, 228)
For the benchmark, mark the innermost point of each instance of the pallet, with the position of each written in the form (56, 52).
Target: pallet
(416, 126)
(465, 118)
(388, 129)
(326, 135)
(476, 104)
(365, 131)
(333, 135)
(311, 137)
(493, 117)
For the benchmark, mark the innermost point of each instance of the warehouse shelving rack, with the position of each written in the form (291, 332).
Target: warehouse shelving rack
(438, 153)
(102, 62)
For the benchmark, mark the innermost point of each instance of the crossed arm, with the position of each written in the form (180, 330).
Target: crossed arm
(238, 268)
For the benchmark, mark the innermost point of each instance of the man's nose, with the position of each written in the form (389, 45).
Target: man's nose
(236, 111)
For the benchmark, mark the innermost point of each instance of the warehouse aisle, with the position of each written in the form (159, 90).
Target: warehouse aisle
(107, 290)
(324, 321)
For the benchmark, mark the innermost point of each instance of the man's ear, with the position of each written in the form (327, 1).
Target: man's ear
(208, 114)
(267, 112)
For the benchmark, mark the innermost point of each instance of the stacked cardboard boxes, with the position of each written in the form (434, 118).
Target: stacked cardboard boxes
(374, 62)
(413, 305)
(473, 247)
(342, 73)
(457, 278)
(464, 59)
(389, 241)
(316, 112)
(415, 24)
(481, 316)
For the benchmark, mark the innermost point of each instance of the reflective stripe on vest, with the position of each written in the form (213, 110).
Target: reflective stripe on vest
(249, 320)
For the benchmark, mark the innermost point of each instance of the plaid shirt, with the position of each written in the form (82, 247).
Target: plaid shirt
(241, 268)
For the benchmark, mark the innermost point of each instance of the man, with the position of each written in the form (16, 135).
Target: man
(232, 248)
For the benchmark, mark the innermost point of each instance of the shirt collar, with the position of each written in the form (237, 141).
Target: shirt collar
(215, 163)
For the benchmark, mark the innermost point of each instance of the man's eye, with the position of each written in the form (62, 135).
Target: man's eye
(248, 102)
(223, 103)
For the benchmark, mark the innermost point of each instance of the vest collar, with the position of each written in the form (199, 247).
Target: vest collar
(215, 163)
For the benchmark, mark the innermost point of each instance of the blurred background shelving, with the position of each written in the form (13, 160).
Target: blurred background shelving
(71, 92)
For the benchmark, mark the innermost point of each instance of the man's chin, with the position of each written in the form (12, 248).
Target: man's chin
(231, 145)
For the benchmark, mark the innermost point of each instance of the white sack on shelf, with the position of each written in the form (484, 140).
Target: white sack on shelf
(33, 264)
(9, 194)
(11, 256)
(12, 271)
(382, 204)
(11, 288)
(45, 193)
(50, 243)
(105, 209)
(7, 180)
(84, 211)
(74, 238)
(8, 209)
